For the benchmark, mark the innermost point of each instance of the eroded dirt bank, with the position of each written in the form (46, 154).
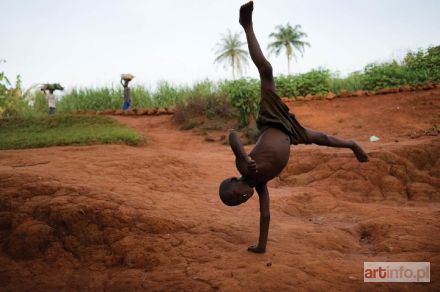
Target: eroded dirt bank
(123, 218)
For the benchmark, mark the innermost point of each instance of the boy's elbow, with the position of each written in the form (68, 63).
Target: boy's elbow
(266, 76)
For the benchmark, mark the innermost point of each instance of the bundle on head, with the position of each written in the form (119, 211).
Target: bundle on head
(57, 86)
(51, 86)
(127, 76)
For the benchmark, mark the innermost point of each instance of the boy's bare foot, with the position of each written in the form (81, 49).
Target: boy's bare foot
(246, 14)
(359, 152)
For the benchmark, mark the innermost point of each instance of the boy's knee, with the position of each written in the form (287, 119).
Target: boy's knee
(317, 137)
(266, 71)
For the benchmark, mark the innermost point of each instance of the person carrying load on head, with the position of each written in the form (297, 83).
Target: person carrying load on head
(125, 79)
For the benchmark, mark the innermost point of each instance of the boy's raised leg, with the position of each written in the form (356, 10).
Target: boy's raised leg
(322, 139)
(262, 64)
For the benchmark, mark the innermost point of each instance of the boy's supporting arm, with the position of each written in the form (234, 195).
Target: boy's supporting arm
(263, 195)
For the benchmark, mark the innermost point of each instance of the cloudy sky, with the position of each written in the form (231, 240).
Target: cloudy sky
(91, 42)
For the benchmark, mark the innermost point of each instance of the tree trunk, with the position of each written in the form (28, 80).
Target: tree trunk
(233, 68)
(288, 64)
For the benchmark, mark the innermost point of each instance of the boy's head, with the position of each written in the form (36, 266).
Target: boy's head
(234, 191)
(126, 81)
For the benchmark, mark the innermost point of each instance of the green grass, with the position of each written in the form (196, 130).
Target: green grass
(43, 131)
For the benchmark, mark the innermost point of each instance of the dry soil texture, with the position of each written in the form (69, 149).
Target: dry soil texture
(124, 218)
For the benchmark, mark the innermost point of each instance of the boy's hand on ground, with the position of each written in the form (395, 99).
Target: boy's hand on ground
(255, 249)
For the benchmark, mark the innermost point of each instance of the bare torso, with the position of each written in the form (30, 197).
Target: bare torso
(271, 153)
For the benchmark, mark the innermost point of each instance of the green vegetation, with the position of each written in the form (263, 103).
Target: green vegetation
(290, 39)
(229, 51)
(13, 102)
(203, 102)
(244, 96)
(43, 131)
(102, 98)
(227, 98)
(313, 82)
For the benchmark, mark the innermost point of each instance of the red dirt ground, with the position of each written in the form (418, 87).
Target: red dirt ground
(123, 218)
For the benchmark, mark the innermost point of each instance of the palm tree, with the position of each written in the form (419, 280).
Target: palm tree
(229, 50)
(290, 38)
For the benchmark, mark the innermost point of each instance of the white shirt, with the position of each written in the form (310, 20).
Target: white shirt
(51, 99)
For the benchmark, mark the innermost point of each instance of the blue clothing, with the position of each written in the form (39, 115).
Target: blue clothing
(126, 105)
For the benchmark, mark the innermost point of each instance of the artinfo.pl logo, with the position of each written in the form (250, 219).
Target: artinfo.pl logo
(397, 271)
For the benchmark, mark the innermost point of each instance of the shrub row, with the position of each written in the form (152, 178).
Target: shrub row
(217, 99)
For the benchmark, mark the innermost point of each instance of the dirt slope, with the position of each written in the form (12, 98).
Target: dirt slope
(133, 218)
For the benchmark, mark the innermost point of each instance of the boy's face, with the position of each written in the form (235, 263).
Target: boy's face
(237, 192)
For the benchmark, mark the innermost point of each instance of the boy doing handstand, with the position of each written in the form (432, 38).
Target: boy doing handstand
(279, 129)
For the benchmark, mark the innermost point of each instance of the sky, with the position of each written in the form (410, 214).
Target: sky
(86, 43)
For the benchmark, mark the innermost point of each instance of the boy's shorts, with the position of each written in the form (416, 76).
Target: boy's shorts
(126, 105)
(274, 113)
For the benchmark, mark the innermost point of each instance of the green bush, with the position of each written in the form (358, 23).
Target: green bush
(244, 96)
(377, 76)
(417, 67)
(286, 85)
(202, 100)
(352, 82)
(313, 82)
(423, 66)
(12, 101)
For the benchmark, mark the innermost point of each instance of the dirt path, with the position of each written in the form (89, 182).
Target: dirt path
(131, 218)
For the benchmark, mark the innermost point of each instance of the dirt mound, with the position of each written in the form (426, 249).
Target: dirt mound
(404, 172)
(41, 219)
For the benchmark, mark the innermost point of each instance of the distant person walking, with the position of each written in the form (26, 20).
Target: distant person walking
(52, 101)
(49, 90)
(125, 79)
